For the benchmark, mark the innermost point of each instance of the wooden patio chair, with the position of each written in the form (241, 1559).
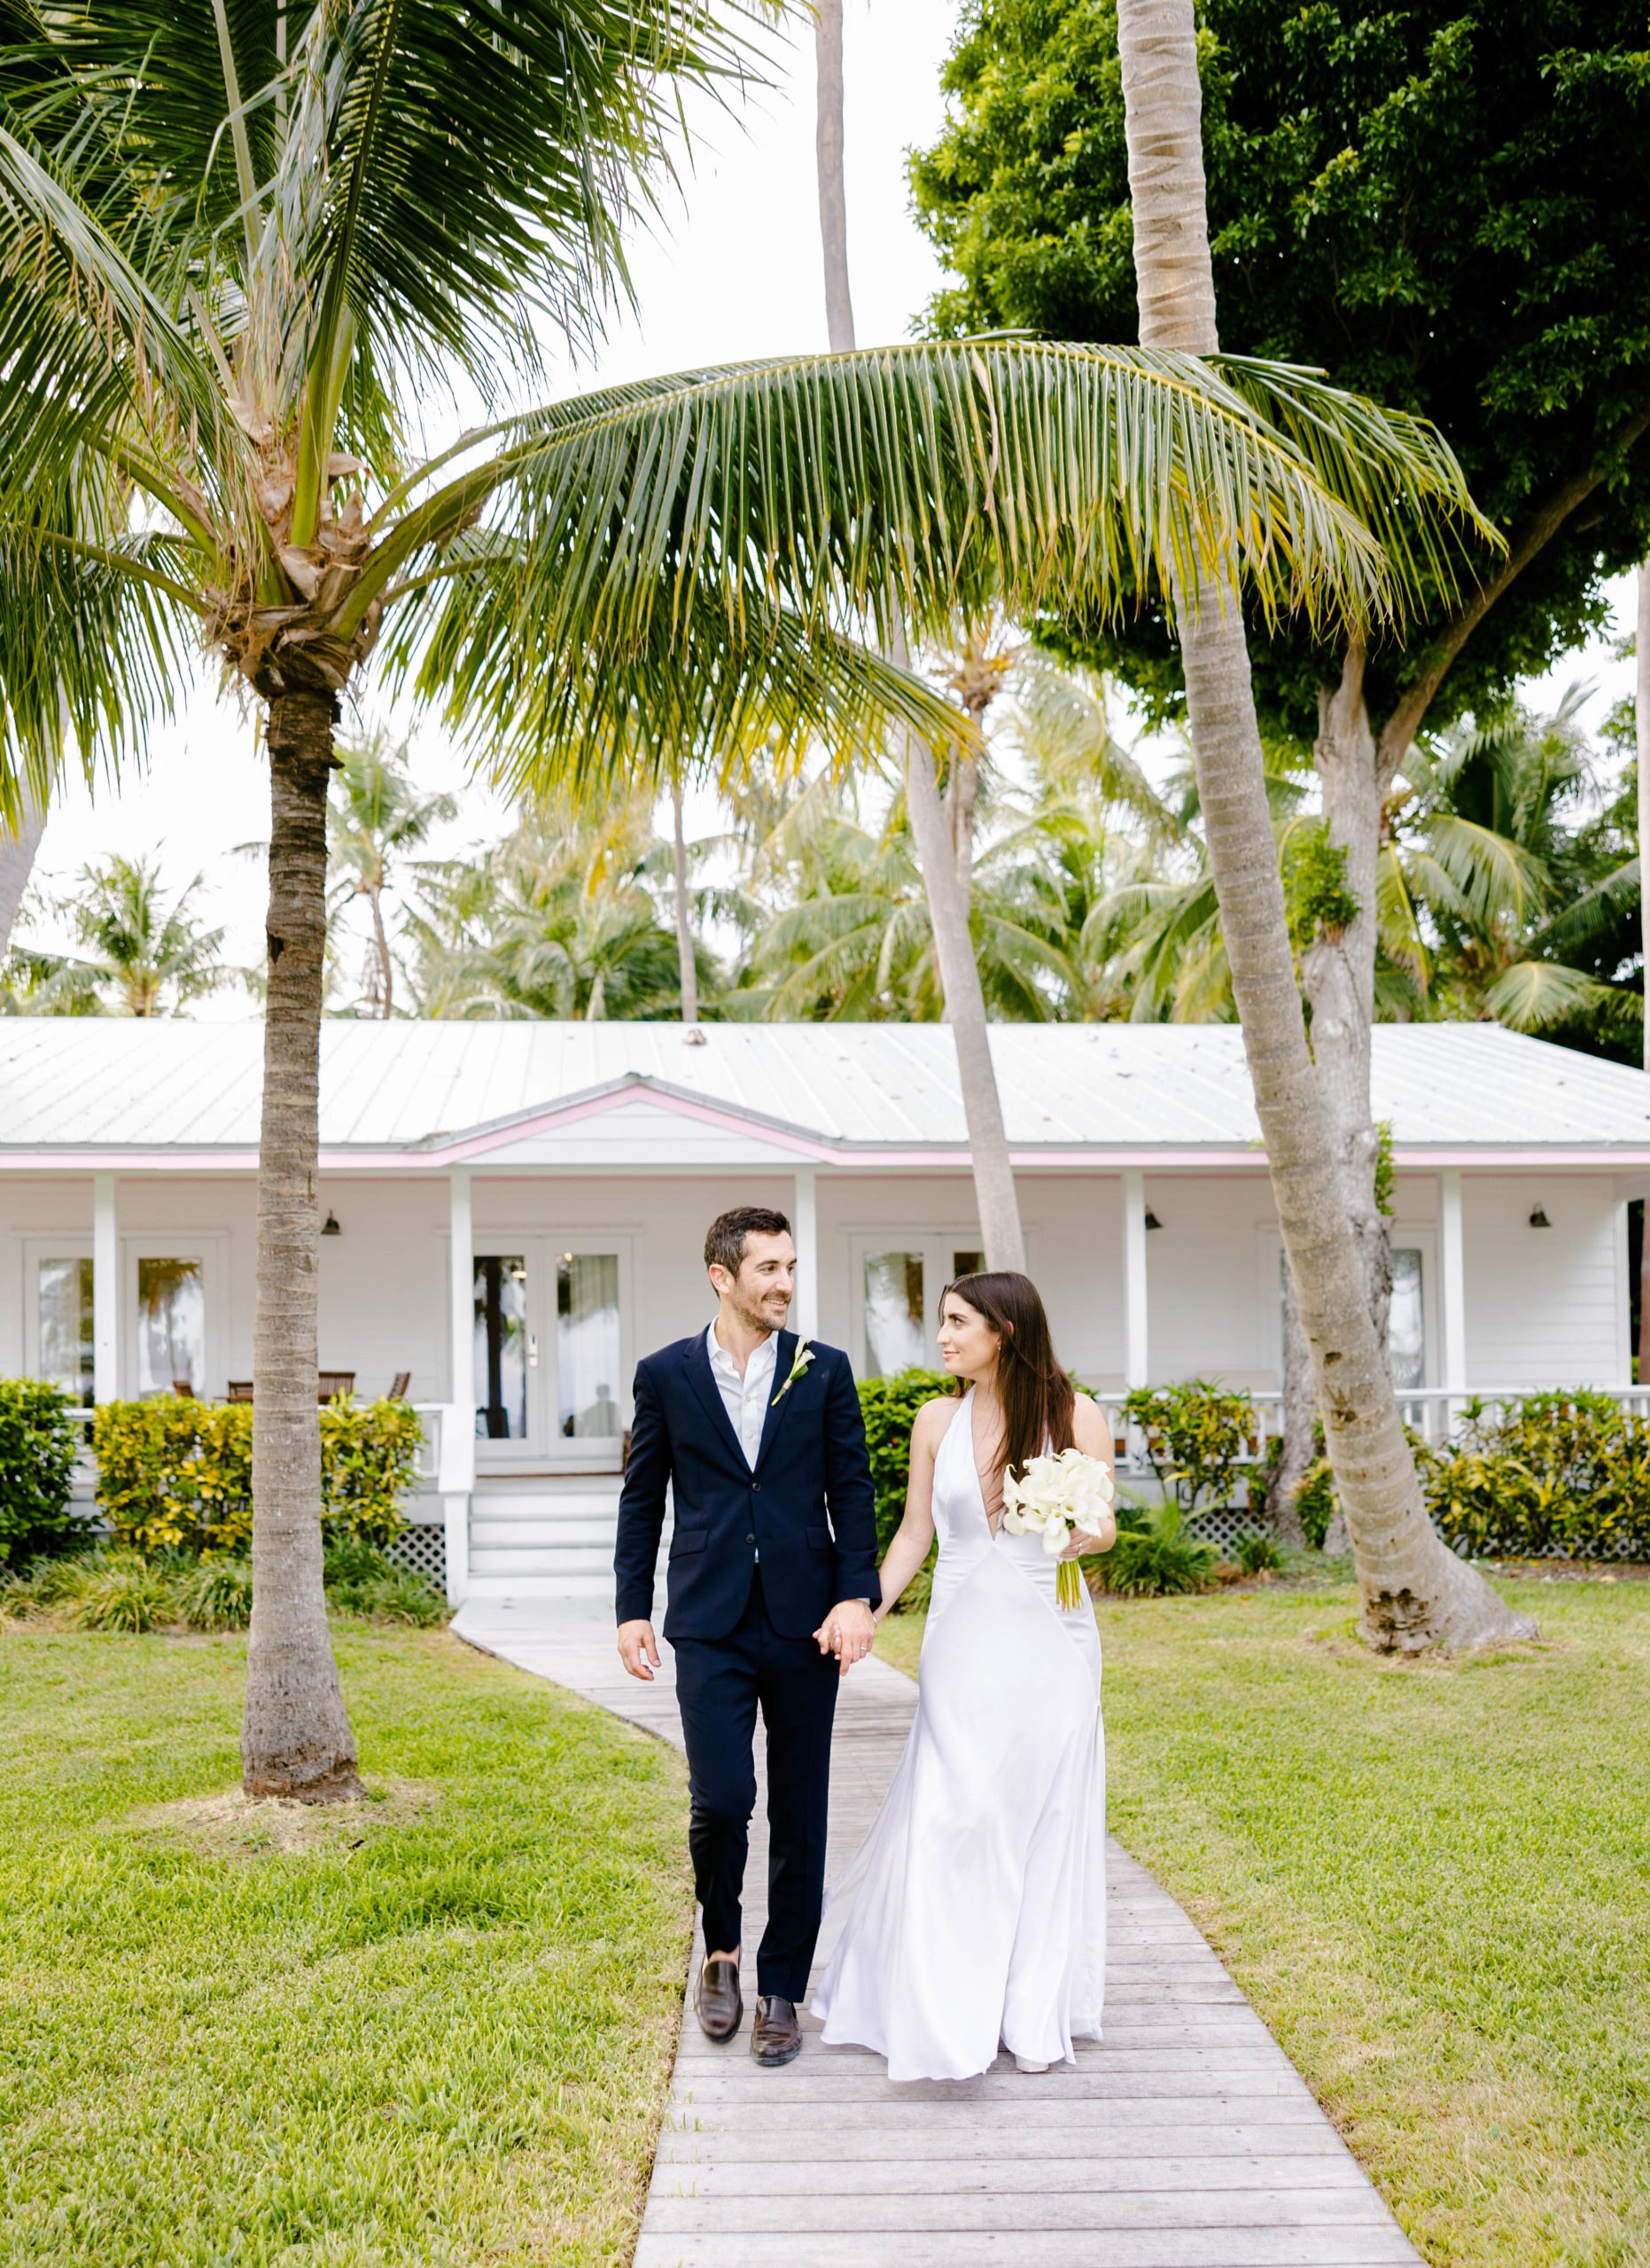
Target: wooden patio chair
(182, 1389)
(398, 1385)
(240, 1389)
(328, 1383)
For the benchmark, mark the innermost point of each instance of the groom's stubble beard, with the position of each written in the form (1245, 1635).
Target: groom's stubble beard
(752, 1308)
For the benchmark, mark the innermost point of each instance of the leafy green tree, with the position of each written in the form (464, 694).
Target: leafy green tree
(145, 951)
(376, 817)
(559, 921)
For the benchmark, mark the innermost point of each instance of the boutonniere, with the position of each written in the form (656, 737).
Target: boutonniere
(799, 1362)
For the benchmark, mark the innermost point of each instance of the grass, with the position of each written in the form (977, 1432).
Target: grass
(434, 2028)
(1433, 1880)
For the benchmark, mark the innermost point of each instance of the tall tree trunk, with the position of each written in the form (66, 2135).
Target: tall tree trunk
(1415, 1593)
(1642, 718)
(17, 863)
(684, 931)
(1300, 1421)
(295, 1736)
(381, 946)
(965, 1009)
(828, 142)
(961, 794)
(999, 1207)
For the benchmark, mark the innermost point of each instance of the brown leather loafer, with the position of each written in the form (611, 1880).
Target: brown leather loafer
(777, 2037)
(716, 2000)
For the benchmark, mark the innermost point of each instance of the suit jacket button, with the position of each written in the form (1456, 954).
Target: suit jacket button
(750, 1539)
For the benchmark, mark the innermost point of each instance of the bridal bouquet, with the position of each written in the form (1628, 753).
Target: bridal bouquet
(1056, 1495)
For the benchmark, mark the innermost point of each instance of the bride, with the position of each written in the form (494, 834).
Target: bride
(975, 1908)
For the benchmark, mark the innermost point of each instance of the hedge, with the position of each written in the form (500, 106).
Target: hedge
(177, 1475)
(1564, 1473)
(40, 1437)
(891, 1405)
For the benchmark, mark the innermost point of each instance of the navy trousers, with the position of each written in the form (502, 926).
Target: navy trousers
(720, 1683)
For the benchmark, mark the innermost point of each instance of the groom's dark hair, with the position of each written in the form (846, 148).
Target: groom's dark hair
(724, 1239)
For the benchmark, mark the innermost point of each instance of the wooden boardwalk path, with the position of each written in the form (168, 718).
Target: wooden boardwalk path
(1186, 2141)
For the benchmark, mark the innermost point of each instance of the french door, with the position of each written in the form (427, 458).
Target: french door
(553, 1354)
(899, 1274)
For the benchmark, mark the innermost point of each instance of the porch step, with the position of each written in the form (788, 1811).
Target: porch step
(547, 1539)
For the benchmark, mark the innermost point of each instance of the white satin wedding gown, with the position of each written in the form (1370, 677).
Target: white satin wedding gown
(975, 1910)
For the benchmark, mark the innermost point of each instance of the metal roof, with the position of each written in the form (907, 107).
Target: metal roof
(167, 1091)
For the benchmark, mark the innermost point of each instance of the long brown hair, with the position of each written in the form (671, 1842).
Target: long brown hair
(1036, 1396)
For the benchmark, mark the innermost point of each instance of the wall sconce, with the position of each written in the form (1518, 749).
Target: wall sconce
(330, 1227)
(1538, 1219)
(1152, 1222)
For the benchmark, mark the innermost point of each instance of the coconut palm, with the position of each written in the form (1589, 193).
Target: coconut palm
(1415, 1592)
(144, 950)
(242, 254)
(1488, 881)
(376, 817)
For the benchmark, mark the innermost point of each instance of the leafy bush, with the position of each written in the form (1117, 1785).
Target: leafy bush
(1197, 1436)
(40, 1437)
(177, 1475)
(216, 1594)
(1563, 1473)
(360, 1580)
(1153, 1557)
(1258, 1553)
(1315, 1500)
(891, 1405)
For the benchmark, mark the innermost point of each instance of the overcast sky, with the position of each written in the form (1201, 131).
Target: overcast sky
(734, 274)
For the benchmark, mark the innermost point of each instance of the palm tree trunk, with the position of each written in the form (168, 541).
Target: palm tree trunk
(684, 931)
(827, 143)
(1300, 1418)
(965, 1009)
(961, 794)
(381, 945)
(1415, 1593)
(295, 1736)
(17, 863)
(999, 1207)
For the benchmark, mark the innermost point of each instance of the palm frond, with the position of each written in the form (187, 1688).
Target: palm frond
(1532, 995)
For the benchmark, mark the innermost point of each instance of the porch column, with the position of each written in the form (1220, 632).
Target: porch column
(805, 1224)
(1134, 1359)
(1453, 1274)
(105, 1290)
(456, 1475)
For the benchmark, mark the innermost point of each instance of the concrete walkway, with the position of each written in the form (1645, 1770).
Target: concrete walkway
(1186, 2141)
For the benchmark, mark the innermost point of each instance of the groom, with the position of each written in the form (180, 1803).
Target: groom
(759, 1435)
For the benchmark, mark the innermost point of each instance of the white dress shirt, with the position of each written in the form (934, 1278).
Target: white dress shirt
(745, 1399)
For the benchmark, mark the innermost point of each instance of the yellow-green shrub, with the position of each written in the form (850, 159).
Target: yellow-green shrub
(175, 1475)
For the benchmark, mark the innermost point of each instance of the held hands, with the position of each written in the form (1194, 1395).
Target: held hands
(847, 1632)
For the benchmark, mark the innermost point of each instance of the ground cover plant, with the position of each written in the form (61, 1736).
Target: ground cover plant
(1432, 1879)
(433, 2027)
(117, 1588)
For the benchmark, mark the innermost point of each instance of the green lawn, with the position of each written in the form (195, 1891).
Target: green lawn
(436, 2030)
(1433, 1881)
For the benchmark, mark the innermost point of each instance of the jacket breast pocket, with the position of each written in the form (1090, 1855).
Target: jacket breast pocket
(818, 1539)
(686, 1540)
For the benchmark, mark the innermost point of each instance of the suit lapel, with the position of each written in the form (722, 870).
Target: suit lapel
(702, 1379)
(778, 1401)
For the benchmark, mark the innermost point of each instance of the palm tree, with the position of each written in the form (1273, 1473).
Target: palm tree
(1486, 883)
(144, 952)
(1415, 1592)
(238, 251)
(557, 921)
(375, 817)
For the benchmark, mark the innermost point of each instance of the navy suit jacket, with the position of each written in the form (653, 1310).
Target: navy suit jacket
(808, 1507)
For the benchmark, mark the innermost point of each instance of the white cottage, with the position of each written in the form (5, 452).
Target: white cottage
(514, 1211)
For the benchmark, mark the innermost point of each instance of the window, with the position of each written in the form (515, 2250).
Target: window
(505, 1348)
(966, 1264)
(171, 1325)
(1406, 1326)
(587, 1353)
(895, 1326)
(64, 1322)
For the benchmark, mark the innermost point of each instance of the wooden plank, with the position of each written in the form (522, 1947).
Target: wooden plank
(720, 2176)
(1017, 2212)
(864, 2149)
(817, 2083)
(961, 2115)
(1216, 2247)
